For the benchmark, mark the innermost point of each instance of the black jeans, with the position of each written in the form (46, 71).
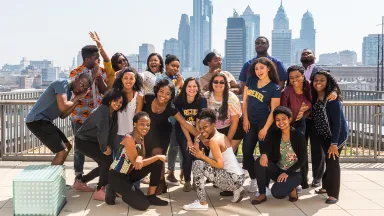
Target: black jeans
(279, 190)
(92, 150)
(331, 177)
(249, 145)
(123, 184)
(317, 154)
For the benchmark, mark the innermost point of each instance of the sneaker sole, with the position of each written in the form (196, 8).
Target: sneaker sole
(242, 193)
(195, 209)
(173, 183)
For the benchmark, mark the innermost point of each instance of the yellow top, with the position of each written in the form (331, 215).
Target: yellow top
(111, 74)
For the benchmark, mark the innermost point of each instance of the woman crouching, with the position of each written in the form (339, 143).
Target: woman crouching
(130, 165)
(221, 167)
(284, 152)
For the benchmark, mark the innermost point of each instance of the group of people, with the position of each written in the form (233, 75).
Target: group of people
(127, 122)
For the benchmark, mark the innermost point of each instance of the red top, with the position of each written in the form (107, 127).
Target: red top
(293, 101)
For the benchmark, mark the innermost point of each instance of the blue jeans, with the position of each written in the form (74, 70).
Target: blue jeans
(173, 151)
(79, 158)
(249, 145)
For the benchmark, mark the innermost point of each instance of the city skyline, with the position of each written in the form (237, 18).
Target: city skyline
(29, 33)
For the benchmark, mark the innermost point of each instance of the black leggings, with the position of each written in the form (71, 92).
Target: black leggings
(249, 145)
(279, 190)
(91, 149)
(123, 184)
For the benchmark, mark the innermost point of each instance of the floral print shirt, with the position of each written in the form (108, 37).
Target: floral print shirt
(288, 156)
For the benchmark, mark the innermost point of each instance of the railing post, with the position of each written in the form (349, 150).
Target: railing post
(3, 129)
(376, 133)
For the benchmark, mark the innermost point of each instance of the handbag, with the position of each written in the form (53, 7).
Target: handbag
(320, 119)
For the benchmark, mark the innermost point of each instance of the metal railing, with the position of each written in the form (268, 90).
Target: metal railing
(21, 95)
(16, 141)
(364, 143)
(362, 95)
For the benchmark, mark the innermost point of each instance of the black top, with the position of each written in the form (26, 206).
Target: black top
(272, 148)
(190, 111)
(99, 127)
(161, 128)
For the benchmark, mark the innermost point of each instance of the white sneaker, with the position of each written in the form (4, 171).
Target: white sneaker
(238, 195)
(196, 206)
(253, 186)
(267, 192)
(299, 189)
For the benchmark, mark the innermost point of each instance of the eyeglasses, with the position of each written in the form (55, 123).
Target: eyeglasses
(218, 82)
(121, 61)
(261, 43)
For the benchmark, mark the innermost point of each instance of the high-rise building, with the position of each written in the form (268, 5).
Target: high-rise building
(235, 44)
(329, 59)
(371, 47)
(296, 51)
(183, 37)
(201, 33)
(308, 32)
(348, 58)
(73, 66)
(144, 51)
(133, 60)
(41, 64)
(252, 26)
(173, 47)
(79, 59)
(282, 37)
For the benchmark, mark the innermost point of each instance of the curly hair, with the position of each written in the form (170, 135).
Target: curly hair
(114, 95)
(183, 92)
(118, 84)
(282, 110)
(272, 72)
(223, 111)
(114, 60)
(160, 59)
(208, 115)
(162, 83)
(331, 86)
(306, 91)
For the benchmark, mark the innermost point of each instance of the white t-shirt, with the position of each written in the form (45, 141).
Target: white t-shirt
(125, 117)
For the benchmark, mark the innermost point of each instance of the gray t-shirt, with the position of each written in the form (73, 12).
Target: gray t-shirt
(46, 107)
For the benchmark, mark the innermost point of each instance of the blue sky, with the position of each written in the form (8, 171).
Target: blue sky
(56, 30)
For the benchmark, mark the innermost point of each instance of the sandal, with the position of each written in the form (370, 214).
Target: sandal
(321, 191)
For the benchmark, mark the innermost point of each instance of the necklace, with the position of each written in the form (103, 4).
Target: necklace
(159, 108)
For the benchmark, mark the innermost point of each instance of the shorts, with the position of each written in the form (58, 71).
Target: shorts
(50, 135)
(239, 134)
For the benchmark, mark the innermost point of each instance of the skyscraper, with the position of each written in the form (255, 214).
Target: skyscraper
(183, 37)
(370, 49)
(348, 58)
(133, 60)
(235, 44)
(282, 37)
(144, 51)
(173, 47)
(79, 59)
(201, 32)
(308, 32)
(252, 26)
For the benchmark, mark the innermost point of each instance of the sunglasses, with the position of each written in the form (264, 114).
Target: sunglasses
(218, 82)
(121, 61)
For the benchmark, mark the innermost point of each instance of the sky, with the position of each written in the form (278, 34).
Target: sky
(57, 30)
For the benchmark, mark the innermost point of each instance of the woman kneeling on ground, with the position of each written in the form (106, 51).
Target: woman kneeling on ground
(221, 167)
(130, 165)
(284, 152)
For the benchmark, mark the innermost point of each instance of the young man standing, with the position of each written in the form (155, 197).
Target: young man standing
(54, 103)
(261, 47)
(90, 66)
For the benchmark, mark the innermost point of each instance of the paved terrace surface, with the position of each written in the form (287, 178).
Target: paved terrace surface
(362, 193)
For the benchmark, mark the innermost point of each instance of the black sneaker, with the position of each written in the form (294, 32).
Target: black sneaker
(110, 196)
(226, 193)
(156, 201)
